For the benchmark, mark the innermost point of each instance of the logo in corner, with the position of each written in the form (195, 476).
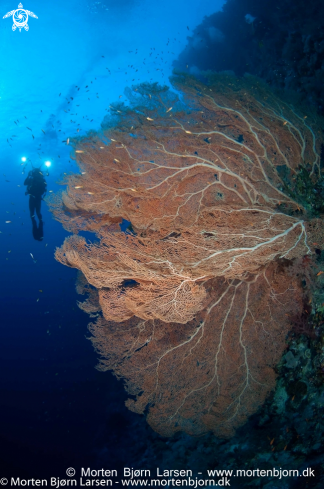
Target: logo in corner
(20, 18)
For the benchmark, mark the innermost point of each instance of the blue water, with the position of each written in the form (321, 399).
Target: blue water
(60, 76)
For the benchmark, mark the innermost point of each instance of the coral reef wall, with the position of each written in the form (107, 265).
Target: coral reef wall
(278, 40)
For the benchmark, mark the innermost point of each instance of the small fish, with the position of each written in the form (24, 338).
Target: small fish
(43, 131)
(68, 141)
(29, 128)
(79, 151)
(169, 109)
(115, 159)
(79, 186)
(32, 256)
(7, 222)
(90, 193)
(149, 119)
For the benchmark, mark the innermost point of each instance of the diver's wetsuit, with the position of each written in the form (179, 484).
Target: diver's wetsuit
(38, 232)
(36, 188)
(35, 202)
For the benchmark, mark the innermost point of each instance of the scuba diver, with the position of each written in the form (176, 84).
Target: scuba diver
(36, 189)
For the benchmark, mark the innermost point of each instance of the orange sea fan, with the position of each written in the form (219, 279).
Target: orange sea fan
(193, 301)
